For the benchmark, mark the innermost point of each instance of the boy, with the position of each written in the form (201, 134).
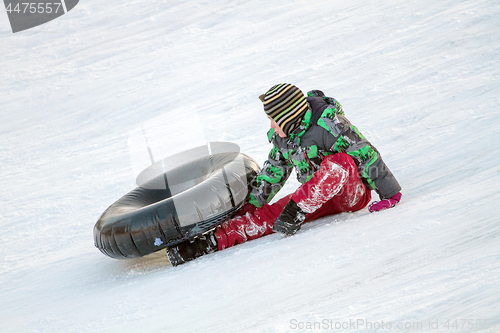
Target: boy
(335, 163)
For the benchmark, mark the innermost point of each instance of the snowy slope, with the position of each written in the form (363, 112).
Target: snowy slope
(420, 79)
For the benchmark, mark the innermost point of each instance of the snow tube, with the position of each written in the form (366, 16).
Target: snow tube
(175, 206)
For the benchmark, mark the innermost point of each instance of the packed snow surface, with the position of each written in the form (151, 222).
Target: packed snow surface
(420, 79)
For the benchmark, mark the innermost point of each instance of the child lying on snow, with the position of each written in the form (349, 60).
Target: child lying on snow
(336, 165)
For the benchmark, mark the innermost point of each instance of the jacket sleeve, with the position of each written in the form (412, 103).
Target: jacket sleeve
(343, 137)
(272, 177)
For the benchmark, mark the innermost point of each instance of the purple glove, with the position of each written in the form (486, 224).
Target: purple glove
(377, 206)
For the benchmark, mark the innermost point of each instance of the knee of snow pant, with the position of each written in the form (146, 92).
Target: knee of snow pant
(250, 226)
(328, 181)
(349, 194)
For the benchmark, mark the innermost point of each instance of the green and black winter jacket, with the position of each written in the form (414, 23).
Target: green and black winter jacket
(323, 131)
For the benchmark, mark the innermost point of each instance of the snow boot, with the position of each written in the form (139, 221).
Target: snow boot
(290, 219)
(192, 249)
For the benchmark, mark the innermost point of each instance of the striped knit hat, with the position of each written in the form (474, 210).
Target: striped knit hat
(286, 104)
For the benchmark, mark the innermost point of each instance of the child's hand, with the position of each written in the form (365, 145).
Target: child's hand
(377, 206)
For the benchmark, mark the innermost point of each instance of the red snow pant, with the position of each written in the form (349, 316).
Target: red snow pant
(335, 188)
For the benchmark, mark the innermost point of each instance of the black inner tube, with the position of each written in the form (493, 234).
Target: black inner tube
(177, 205)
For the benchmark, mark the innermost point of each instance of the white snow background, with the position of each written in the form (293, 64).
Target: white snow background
(420, 79)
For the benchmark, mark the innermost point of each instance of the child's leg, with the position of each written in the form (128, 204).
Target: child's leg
(251, 225)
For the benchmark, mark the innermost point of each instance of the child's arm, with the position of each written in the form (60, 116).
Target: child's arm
(272, 177)
(343, 137)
